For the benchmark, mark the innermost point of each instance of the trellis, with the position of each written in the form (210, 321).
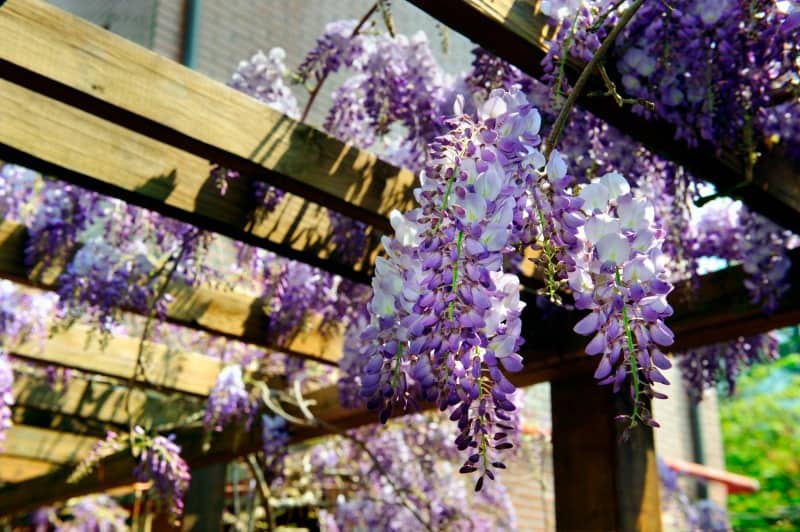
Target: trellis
(88, 107)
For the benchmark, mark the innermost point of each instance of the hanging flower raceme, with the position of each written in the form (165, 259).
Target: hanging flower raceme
(765, 260)
(705, 367)
(445, 316)
(728, 230)
(620, 277)
(6, 395)
(104, 448)
(159, 461)
(229, 400)
(263, 78)
(275, 445)
(93, 513)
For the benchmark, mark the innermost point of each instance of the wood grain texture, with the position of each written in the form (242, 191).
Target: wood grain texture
(14, 469)
(102, 402)
(54, 447)
(164, 368)
(516, 31)
(76, 146)
(80, 347)
(96, 70)
(600, 482)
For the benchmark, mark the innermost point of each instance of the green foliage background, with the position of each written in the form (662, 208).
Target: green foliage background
(761, 431)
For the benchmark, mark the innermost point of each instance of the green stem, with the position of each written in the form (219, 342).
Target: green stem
(452, 306)
(550, 271)
(587, 72)
(632, 356)
(397, 355)
(565, 53)
(446, 199)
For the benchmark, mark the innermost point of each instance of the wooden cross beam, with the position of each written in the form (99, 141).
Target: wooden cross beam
(102, 402)
(121, 82)
(45, 445)
(230, 313)
(15, 470)
(164, 368)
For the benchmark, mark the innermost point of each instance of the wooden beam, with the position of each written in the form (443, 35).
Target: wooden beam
(205, 499)
(601, 483)
(516, 31)
(99, 155)
(15, 469)
(45, 445)
(102, 402)
(81, 347)
(230, 313)
(57, 54)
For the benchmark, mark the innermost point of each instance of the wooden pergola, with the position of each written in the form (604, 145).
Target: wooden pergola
(88, 107)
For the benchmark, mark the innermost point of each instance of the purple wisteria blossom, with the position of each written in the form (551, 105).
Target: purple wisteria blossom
(445, 317)
(701, 515)
(228, 400)
(705, 367)
(104, 448)
(262, 77)
(621, 278)
(275, 445)
(94, 513)
(159, 461)
(417, 473)
(6, 395)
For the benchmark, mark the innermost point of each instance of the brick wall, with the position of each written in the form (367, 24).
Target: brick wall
(233, 30)
(529, 478)
(674, 438)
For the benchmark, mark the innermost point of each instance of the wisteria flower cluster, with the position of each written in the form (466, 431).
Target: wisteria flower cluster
(111, 444)
(6, 395)
(95, 513)
(715, 70)
(705, 367)
(395, 82)
(621, 278)
(407, 472)
(445, 316)
(275, 444)
(262, 77)
(159, 461)
(228, 400)
(702, 514)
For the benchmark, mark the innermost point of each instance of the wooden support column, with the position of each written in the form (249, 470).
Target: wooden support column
(601, 483)
(205, 499)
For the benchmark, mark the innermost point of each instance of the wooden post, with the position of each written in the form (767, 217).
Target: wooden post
(205, 499)
(601, 483)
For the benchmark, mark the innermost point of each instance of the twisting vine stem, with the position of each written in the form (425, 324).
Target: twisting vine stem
(263, 488)
(588, 70)
(318, 86)
(299, 401)
(151, 314)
